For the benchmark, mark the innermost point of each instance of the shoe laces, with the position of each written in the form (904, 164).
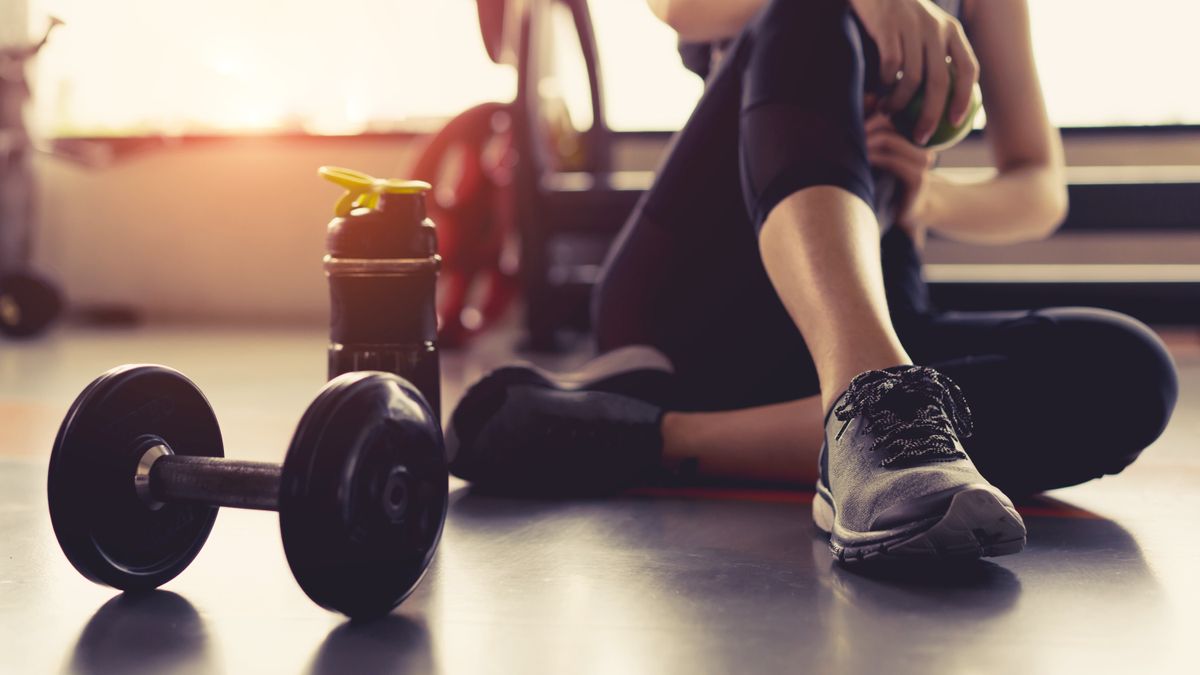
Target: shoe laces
(914, 413)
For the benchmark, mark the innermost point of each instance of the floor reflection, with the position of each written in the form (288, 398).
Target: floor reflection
(153, 632)
(736, 582)
(1059, 594)
(977, 587)
(392, 644)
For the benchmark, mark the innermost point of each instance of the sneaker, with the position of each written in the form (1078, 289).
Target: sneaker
(895, 481)
(525, 430)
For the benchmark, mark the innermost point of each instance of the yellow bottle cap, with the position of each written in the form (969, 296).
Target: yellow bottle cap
(364, 191)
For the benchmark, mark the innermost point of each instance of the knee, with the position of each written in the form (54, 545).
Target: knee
(803, 52)
(1124, 374)
(801, 120)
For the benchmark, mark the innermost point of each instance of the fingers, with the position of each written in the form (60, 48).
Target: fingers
(870, 104)
(908, 171)
(895, 167)
(890, 145)
(877, 123)
(891, 59)
(891, 152)
(937, 88)
(912, 68)
(966, 73)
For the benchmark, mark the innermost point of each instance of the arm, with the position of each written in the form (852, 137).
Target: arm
(1027, 198)
(706, 20)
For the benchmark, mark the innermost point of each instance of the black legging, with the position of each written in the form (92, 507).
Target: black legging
(1060, 395)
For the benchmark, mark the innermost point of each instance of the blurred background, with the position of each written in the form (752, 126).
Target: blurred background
(175, 149)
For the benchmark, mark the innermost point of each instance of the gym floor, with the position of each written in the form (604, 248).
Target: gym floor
(652, 582)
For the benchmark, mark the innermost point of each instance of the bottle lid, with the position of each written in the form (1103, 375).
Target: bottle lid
(364, 191)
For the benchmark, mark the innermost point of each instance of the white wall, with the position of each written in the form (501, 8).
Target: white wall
(213, 230)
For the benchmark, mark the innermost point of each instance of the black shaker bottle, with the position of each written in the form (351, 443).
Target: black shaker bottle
(382, 266)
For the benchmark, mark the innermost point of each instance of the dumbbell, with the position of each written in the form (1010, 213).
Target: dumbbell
(28, 304)
(138, 470)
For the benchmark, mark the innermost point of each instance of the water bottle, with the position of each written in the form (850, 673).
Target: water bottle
(382, 263)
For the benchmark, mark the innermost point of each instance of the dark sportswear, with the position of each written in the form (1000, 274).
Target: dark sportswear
(1060, 395)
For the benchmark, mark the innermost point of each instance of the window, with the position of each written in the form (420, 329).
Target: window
(127, 67)
(1101, 63)
(1118, 63)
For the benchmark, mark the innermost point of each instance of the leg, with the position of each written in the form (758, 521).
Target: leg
(685, 276)
(780, 442)
(1061, 395)
(1041, 384)
(821, 249)
(893, 478)
(800, 133)
(807, 183)
(775, 443)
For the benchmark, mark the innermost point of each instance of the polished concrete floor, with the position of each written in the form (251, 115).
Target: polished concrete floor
(654, 582)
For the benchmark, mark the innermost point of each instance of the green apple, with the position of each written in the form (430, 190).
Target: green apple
(947, 133)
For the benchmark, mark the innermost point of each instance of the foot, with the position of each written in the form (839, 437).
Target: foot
(524, 430)
(895, 481)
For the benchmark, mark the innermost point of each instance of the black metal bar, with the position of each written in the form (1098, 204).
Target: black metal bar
(216, 481)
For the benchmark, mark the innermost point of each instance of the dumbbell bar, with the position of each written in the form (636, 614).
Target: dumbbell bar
(165, 477)
(138, 469)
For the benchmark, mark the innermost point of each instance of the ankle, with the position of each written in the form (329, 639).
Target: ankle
(836, 381)
(676, 441)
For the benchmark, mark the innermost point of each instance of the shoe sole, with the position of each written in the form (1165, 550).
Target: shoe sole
(976, 524)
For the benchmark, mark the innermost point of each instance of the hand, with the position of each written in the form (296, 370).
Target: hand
(915, 39)
(889, 150)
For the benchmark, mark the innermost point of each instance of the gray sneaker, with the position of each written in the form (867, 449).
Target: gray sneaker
(895, 481)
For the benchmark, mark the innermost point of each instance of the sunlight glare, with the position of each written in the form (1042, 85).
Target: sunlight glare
(132, 67)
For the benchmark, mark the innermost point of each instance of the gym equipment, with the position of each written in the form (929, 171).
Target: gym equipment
(947, 133)
(471, 160)
(28, 304)
(138, 470)
(568, 204)
(382, 265)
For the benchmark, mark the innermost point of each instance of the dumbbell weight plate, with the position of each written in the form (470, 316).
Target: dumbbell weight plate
(28, 304)
(363, 494)
(106, 530)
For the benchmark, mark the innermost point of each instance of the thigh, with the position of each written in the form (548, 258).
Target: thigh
(710, 309)
(1059, 395)
(687, 244)
(685, 275)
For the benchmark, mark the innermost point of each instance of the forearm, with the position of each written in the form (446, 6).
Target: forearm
(706, 20)
(1020, 204)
